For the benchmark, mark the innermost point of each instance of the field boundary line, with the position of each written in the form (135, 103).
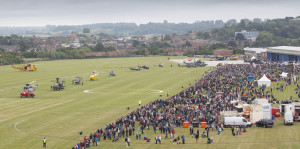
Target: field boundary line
(18, 128)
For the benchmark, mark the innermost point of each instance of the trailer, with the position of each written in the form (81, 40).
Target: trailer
(288, 118)
(286, 108)
(267, 111)
(296, 111)
(257, 113)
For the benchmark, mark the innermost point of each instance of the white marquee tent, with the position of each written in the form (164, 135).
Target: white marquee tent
(264, 81)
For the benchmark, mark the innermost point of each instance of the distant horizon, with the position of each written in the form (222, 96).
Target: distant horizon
(37, 13)
(238, 21)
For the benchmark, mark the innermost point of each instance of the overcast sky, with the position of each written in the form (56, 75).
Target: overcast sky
(77, 12)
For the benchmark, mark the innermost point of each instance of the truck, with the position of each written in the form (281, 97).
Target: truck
(288, 118)
(236, 121)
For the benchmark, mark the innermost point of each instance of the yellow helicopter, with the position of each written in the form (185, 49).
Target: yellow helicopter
(94, 76)
(27, 67)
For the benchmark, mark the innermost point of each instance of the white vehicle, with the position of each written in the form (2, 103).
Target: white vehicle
(236, 121)
(288, 118)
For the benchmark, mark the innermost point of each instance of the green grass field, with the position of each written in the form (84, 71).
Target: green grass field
(60, 115)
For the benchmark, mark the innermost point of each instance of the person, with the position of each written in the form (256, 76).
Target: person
(211, 140)
(166, 136)
(156, 139)
(159, 139)
(197, 137)
(183, 139)
(140, 102)
(208, 141)
(128, 141)
(44, 142)
(173, 132)
(96, 141)
(207, 131)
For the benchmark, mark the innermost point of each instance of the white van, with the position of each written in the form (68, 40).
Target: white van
(236, 121)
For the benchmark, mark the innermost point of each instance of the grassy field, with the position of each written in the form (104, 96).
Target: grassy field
(60, 115)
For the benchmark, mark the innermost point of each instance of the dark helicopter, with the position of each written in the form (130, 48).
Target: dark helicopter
(194, 63)
(112, 74)
(145, 67)
(57, 85)
(77, 81)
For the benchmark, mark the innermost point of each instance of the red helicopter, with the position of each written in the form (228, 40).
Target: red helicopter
(28, 91)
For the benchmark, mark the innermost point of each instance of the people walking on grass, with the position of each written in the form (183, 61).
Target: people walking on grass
(183, 139)
(44, 142)
(126, 142)
(173, 132)
(197, 137)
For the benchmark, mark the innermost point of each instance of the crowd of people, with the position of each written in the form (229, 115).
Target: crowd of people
(201, 102)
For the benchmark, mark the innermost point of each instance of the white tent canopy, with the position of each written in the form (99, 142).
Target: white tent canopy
(264, 81)
(284, 75)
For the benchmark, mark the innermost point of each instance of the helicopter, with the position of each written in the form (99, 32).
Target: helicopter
(145, 67)
(28, 91)
(27, 67)
(135, 68)
(94, 76)
(77, 81)
(58, 86)
(112, 74)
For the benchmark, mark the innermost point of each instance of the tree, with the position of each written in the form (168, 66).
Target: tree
(99, 47)
(135, 43)
(232, 43)
(86, 30)
(167, 37)
(264, 39)
(110, 48)
(240, 37)
(199, 35)
(187, 44)
(206, 35)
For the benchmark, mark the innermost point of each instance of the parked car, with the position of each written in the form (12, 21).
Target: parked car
(264, 123)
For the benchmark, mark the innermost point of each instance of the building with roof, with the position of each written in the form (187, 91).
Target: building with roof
(223, 52)
(252, 35)
(283, 54)
(256, 52)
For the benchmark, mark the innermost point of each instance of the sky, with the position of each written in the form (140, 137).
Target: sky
(78, 12)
